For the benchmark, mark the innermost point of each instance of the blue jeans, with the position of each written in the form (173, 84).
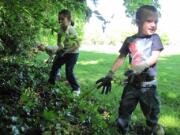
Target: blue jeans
(69, 60)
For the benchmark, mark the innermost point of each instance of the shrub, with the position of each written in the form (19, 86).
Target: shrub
(165, 39)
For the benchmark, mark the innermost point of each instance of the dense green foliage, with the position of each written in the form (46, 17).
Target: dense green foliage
(28, 105)
(23, 21)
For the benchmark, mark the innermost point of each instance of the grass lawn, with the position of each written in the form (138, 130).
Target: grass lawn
(92, 66)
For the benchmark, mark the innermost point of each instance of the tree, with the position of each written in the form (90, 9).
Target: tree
(132, 5)
(21, 21)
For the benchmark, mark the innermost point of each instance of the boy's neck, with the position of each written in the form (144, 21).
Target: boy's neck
(142, 35)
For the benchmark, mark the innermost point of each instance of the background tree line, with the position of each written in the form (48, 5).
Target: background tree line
(23, 21)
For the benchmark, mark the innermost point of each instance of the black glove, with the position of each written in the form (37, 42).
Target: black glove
(104, 82)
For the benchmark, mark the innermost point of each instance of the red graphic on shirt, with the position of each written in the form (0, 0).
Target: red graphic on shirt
(132, 47)
(135, 54)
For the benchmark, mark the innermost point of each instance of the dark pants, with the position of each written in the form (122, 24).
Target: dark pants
(69, 60)
(149, 103)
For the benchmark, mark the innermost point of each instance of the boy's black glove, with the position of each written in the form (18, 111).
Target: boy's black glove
(105, 82)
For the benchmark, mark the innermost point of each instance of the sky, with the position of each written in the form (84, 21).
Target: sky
(168, 23)
(170, 18)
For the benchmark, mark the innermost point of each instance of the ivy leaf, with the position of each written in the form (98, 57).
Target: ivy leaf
(49, 115)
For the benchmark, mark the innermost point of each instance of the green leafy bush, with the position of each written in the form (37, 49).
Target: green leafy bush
(34, 107)
(23, 23)
(165, 39)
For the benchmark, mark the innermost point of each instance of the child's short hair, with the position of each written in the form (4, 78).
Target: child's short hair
(141, 9)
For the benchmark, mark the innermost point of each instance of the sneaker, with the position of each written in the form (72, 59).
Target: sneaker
(122, 126)
(76, 92)
(58, 77)
(159, 130)
(50, 81)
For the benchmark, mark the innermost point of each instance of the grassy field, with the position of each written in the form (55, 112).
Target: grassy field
(91, 66)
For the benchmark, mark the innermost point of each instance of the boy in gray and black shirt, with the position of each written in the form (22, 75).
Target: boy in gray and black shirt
(143, 50)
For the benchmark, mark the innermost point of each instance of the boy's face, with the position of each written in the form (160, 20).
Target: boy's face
(63, 20)
(148, 23)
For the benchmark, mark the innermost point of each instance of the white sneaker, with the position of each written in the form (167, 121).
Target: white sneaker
(77, 92)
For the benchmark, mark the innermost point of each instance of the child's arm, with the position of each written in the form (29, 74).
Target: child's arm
(74, 44)
(117, 63)
(146, 64)
(71, 42)
(105, 82)
(154, 58)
